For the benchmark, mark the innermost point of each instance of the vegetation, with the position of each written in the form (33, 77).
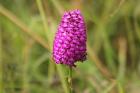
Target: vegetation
(27, 29)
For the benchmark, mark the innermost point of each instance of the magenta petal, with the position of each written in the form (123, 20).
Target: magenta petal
(70, 39)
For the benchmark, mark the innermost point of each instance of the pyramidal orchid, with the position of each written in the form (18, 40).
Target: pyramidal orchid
(70, 39)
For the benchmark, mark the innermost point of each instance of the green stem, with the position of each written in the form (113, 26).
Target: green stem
(1, 70)
(42, 13)
(44, 19)
(62, 78)
(70, 80)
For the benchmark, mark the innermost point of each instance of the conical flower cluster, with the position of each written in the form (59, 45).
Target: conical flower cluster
(70, 40)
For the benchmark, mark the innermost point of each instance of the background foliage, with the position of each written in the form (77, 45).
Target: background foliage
(27, 29)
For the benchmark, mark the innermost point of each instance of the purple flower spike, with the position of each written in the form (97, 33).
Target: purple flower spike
(70, 40)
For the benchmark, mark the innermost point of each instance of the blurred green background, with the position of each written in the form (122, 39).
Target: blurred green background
(27, 29)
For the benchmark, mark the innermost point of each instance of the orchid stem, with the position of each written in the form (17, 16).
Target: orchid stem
(70, 80)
